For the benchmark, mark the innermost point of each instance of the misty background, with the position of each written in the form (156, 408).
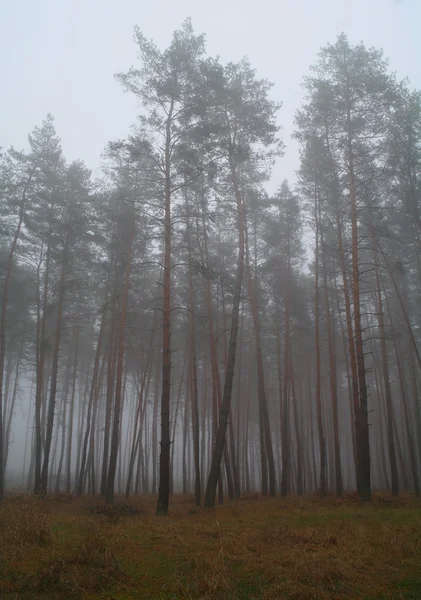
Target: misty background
(60, 56)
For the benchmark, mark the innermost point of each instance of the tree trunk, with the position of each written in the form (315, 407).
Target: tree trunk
(332, 368)
(322, 441)
(300, 466)
(112, 359)
(54, 370)
(109, 494)
(193, 358)
(387, 387)
(72, 407)
(138, 421)
(94, 383)
(164, 460)
(3, 318)
(361, 418)
(219, 445)
(63, 428)
(8, 428)
(5, 299)
(266, 448)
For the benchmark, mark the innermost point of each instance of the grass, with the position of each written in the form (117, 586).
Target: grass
(292, 549)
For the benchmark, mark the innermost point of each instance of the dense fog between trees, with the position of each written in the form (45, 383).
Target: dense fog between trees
(168, 325)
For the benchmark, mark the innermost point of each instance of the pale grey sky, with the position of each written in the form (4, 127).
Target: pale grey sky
(60, 56)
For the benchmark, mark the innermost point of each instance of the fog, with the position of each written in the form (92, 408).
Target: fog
(60, 57)
(210, 284)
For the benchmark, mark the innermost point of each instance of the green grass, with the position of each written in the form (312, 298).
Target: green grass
(292, 549)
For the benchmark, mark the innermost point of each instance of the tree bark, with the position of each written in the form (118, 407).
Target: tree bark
(322, 441)
(54, 370)
(164, 460)
(115, 435)
(219, 445)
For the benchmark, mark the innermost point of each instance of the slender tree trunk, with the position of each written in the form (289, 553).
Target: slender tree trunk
(348, 379)
(3, 318)
(285, 415)
(361, 420)
(91, 467)
(137, 422)
(216, 382)
(83, 393)
(332, 368)
(300, 465)
(409, 435)
(193, 358)
(54, 370)
(185, 430)
(177, 405)
(115, 434)
(94, 383)
(40, 370)
(406, 417)
(164, 460)
(387, 387)
(204, 416)
(266, 448)
(348, 313)
(63, 428)
(71, 417)
(112, 355)
(8, 429)
(322, 441)
(218, 449)
(416, 403)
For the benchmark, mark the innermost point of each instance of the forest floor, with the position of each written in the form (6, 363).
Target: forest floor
(280, 549)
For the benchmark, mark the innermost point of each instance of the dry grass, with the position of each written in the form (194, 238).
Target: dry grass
(90, 566)
(24, 523)
(292, 549)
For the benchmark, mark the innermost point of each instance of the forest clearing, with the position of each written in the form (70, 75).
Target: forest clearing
(290, 548)
(210, 316)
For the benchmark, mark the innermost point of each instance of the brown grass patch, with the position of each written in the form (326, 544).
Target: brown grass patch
(289, 548)
(24, 523)
(87, 567)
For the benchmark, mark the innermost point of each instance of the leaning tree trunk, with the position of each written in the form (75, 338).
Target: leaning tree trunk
(54, 371)
(3, 339)
(266, 448)
(115, 434)
(138, 420)
(63, 428)
(3, 317)
(8, 428)
(216, 381)
(406, 415)
(82, 472)
(219, 445)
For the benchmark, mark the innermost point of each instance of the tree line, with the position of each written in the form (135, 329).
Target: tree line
(172, 326)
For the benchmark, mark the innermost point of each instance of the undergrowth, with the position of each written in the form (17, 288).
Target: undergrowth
(292, 549)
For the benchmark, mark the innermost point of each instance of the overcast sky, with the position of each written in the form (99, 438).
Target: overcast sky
(60, 56)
